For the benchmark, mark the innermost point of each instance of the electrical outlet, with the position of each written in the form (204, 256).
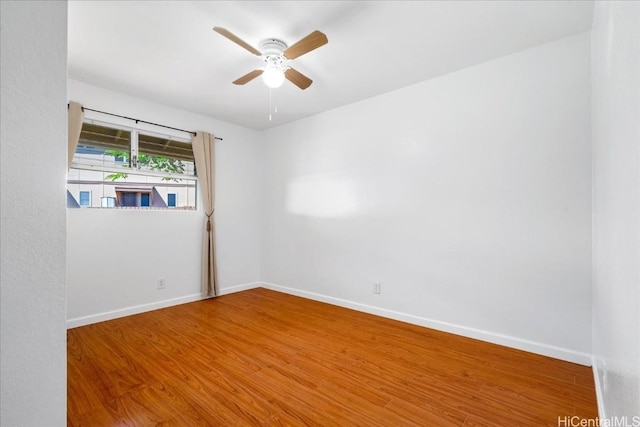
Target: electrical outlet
(377, 287)
(161, 283)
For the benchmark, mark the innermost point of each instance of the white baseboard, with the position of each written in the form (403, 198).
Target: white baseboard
(599, 389)
(136, 309)
(492, 337)
(240, 288)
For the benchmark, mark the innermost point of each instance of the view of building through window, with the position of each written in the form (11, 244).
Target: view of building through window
(85, 198)
(119, 168)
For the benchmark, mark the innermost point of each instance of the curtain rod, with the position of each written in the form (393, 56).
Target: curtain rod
(143, 121)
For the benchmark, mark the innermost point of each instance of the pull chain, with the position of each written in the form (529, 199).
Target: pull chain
(275, 108)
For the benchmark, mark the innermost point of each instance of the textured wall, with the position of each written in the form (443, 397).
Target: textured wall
(32, 207)
(616, 205)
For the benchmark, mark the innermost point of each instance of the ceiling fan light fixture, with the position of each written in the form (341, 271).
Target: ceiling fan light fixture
(273, 77)
(276, 56)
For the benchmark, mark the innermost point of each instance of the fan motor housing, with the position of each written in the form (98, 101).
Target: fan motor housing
(272, 47)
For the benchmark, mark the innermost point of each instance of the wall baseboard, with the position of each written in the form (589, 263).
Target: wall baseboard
(240, 288)
(492, 337)
(136, 309)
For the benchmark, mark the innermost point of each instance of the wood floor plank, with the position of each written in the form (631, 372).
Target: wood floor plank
(261, 357)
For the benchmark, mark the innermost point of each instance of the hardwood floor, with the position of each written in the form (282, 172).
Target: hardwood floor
(261, 357)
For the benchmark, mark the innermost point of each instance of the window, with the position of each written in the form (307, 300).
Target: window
(129, 168)
(107, 202)
(171, 200)
(129, 200)
(85, 198)
(144, 199)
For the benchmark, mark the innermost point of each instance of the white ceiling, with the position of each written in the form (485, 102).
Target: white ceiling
(167, 52)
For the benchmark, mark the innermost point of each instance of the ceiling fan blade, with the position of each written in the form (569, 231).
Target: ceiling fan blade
(247, 77)
(297, 78)
(228, 34)
(307, 44)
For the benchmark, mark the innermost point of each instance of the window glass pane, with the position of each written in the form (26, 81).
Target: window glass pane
(108, 202)
(103, 146)
(101, 174)
(165, 155)
(85, 198)
(108, 188)
(128, 199)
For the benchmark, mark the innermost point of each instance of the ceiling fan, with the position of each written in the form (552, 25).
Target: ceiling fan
(276, 56)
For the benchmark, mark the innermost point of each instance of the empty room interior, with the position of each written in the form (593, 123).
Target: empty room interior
(320, 213)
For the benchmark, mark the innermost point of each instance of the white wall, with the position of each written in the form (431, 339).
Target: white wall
(616, 205)
(33, 131)
(467, 196)
(116, 256)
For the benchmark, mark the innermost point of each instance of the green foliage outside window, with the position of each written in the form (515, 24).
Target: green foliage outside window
(156, 163)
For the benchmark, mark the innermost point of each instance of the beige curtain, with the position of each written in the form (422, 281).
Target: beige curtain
(75, 118)
(203, 145)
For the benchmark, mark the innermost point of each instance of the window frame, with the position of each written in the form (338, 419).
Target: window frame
(133, 150)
